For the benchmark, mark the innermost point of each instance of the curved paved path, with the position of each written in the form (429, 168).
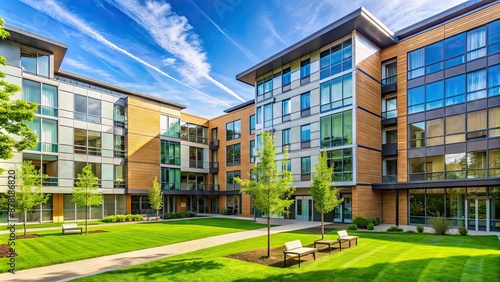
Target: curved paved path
(88, 267)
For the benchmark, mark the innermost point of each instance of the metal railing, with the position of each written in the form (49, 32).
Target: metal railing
(389, 80)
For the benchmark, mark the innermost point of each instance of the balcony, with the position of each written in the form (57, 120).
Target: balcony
(390, 149)
(214, 144)
(305, 177)
(389, 85)
(196, 164)
(233, 162)
(213, 167)
(50, 181)
(390, 178)
(194, 138)
(45, 147)
(166, 186)
(170, 160)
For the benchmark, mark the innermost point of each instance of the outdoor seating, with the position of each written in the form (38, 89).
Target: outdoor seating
(71, 228)
(295, 249)
(343, 236)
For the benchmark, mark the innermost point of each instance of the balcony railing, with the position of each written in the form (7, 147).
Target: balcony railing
(45, 147)
(189, 186)
(389, 80)
(119, 184)
(75, 180)
(390, 178)
(214, 144)
(233, 162)
(194, 138)
(170, 160)
(196, 164)
(50, 181)
(213, 167)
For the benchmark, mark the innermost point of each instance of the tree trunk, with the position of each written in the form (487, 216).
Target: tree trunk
(156, 214)
(25, 219)
(86, 217)
(268, 236)
(322, 226)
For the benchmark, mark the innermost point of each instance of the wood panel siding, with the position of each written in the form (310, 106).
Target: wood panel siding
(368, 130)
(194, 119)
(368, 166)
(389, 207)
(246, 205)
(467, 22)
(141, 175)
(57, 208)
(366, 202)
(368, 93)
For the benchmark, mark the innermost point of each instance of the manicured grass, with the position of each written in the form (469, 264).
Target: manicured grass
(55, 248)
(378, 257)
(19, 226)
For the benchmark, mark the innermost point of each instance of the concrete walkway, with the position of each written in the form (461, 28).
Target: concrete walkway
(88, 267)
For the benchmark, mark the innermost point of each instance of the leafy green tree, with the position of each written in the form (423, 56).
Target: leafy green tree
(324, 196)
(85, 193)
(28, 191)
(271, 193)
(155, 196)
(13, 114)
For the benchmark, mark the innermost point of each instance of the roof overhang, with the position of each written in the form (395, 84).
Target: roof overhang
(240, 106)
(42, 43)
(438, 184)
(360, 20)
(118, 89)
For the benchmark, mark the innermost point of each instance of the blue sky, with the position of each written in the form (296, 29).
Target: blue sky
(189, 51)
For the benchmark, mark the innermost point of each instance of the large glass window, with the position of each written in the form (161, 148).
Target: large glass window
(253, 154)
(416, 99)
(171, 126)
(494, 37)
(476, 85)
(286, 77)
(417, 206)
(87, 109)
(494, 163)
(305, 135)
(336, 93)
(258, 114)
(336, 130)
(434, 57)
(120, 115)
(44, 95)
(455, 90)
(336, 59)
(434, 95)
(305, 68)
(476, 43)
(305, 168)
(286, 142)
(268, 115)
(252, 124)
(341, 160)
(476, 124)
(170, 152)
(286, 109)
(170, 178)
(35, 62)
(389, 108)
(193, 132)
(435, 132)
(231, 183)
(455, 128)
(87, 142)
(196, 158)
(476, 164)
(265, 88)
(119, 146)
(416, 63)
(494, 80)
(494, 122)
(233, 130)
(417, 135)
(233, 155)
(305, 104)
(46, 130)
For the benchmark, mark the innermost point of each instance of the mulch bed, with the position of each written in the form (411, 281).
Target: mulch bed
(276, 259)
(5, 251)
(96, 231)
(27, 236)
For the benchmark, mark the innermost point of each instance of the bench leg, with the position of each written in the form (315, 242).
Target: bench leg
(299, 260)
(284, 259)
(314, 255)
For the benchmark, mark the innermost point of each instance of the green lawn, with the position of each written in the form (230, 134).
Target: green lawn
(19, 226)
(378, 257)
(55, 248)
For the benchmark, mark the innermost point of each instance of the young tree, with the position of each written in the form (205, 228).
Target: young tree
(324, 196)
(13, 114)
(155, 196)
(85, 193)
(271, 193)
(29, 190)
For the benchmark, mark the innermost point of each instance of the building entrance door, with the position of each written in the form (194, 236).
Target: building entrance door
(304, 208)
(478, 211)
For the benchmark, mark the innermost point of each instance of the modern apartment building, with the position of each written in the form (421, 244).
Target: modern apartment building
(409, 119)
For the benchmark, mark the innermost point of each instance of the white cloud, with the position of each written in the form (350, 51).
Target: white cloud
(268, 25)
(168, 61)
(80, 65)
(59, 13)
(174, 34)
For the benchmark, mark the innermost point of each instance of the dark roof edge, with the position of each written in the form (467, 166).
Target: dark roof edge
(438, 184)
(117, 88)
(20, 31)
(442, 17)
(240, 106)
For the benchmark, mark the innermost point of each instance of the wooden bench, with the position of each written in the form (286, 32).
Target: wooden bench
(329, 243)
(295, 249)
(71, 228)
(343, 236)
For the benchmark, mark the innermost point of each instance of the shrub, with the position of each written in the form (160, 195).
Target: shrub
(370, 226)
(440, 225)
(394, 228)
(420, 228)
(361, 222)
(173, 215)
(226, 212)
(123, 218)
(352, 227)
(375, 220)
(462, 230)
